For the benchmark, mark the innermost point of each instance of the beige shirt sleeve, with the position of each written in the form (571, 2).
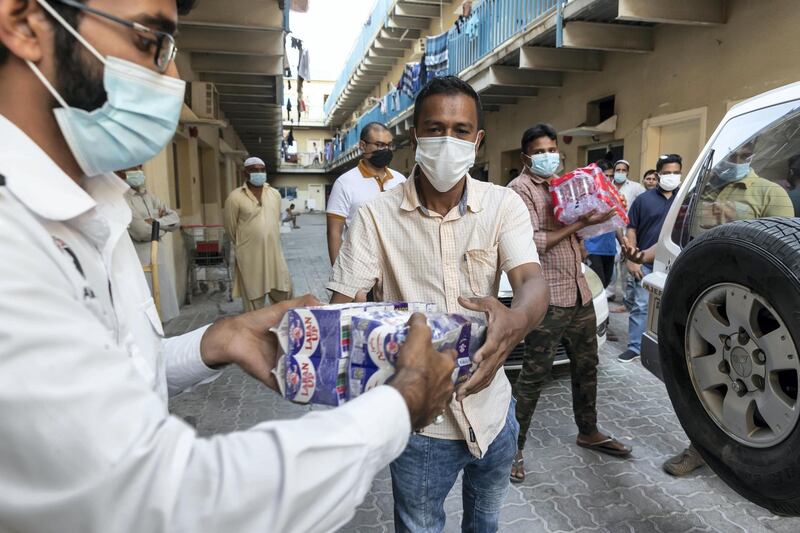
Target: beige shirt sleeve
(358, 267)
(231, 216)
(170, 221)
(139, 230)
(517, 237)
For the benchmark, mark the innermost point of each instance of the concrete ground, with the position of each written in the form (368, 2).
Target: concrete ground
(568, 489)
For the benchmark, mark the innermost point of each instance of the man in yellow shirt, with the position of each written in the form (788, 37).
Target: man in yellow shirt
(736, 192)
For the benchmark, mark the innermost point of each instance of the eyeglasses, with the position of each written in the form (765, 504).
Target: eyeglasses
(166, 50)
(380, 145)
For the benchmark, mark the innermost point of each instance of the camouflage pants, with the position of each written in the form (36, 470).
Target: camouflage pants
(575, 328)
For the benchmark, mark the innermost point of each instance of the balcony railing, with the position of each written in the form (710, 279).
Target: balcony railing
(497, 22)
(368, 33)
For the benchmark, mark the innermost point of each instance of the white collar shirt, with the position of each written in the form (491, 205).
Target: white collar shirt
(88, 443)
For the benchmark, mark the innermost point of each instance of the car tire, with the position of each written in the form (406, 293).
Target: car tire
(762, 257)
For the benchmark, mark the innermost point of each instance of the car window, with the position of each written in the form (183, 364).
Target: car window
(746, 174)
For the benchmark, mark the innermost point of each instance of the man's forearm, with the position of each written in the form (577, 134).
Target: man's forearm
(335, 231)
(555, 237)
(339, 298)
(533, 299)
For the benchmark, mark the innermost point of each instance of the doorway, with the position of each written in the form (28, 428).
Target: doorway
(612, 152)
(679, 133)
(316, 197)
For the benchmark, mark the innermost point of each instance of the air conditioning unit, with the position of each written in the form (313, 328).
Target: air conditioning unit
(205, 100)
(419, 49)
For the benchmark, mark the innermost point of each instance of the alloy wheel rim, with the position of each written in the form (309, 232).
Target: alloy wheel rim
(743, 365)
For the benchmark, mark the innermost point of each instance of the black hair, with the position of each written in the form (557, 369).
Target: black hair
(71, 15)
(371, 127)
(537, 131)
(650, 171)
(449, 85)
(603, 164)
(666, 159)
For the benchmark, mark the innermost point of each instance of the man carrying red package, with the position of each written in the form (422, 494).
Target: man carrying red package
(570, 318)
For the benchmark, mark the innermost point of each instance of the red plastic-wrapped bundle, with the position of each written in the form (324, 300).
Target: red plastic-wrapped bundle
(584, 190)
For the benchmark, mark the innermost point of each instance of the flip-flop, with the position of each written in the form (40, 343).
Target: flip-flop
(518, 463)
(603, 447)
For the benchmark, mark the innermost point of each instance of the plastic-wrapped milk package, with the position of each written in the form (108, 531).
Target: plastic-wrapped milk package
(315, 342)
(376, 338)
(584, 190)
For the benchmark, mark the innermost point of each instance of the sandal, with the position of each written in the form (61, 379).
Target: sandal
(609, 446)
(518, 466)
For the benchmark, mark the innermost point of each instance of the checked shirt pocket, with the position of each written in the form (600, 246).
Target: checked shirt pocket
(481, 270)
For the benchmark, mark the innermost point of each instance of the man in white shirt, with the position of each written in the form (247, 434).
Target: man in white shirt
(371, 177)
(87, 442)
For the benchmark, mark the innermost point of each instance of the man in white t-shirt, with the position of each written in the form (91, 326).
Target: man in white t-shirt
(371, 177)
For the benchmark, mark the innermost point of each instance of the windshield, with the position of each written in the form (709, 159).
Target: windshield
(751, 171)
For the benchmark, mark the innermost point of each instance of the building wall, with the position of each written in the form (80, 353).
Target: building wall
(691, 68)
(305, 188)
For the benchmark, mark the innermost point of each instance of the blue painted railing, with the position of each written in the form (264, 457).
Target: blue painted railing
(496, 20)
(368, 33)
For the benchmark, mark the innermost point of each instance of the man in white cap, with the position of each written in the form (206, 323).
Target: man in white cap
(252, 221)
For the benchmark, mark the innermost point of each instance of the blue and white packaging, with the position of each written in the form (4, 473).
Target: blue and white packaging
(315, 342)
(376, 338)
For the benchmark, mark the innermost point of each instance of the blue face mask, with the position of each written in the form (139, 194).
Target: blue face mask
(258, 179)
(546, 164)
(729, 172)
(134, 178)
(137, 121)
(620, 177)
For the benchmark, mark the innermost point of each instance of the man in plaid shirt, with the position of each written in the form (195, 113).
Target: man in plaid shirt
(570, 318)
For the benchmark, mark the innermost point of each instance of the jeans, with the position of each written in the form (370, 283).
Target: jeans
(426, 471)
(636, 299)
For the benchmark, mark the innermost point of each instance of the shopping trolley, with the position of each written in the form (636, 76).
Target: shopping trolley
(208, 253)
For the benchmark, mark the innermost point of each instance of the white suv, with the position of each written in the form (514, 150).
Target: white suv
(724, 316)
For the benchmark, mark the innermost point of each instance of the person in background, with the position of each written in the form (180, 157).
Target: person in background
(290, 216)
(444, 238)
(602, 249)
(736, 192)
(601, 253)
(794, 177)
(629, 190)
(252, 222)
(646, 217)
(570, 317)
(371, 177)
(512, 174)
(82, 352)
(146, 208)
(649, 180)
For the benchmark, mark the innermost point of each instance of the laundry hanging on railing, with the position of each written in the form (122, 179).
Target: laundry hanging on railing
(472, 27)
(303, 66)
(436, 56)
(410, 82)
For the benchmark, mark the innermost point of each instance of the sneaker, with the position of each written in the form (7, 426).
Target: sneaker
(628, 356)
(684, 463)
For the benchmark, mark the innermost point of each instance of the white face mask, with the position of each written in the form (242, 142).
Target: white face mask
(669, 182)
(444, 160)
